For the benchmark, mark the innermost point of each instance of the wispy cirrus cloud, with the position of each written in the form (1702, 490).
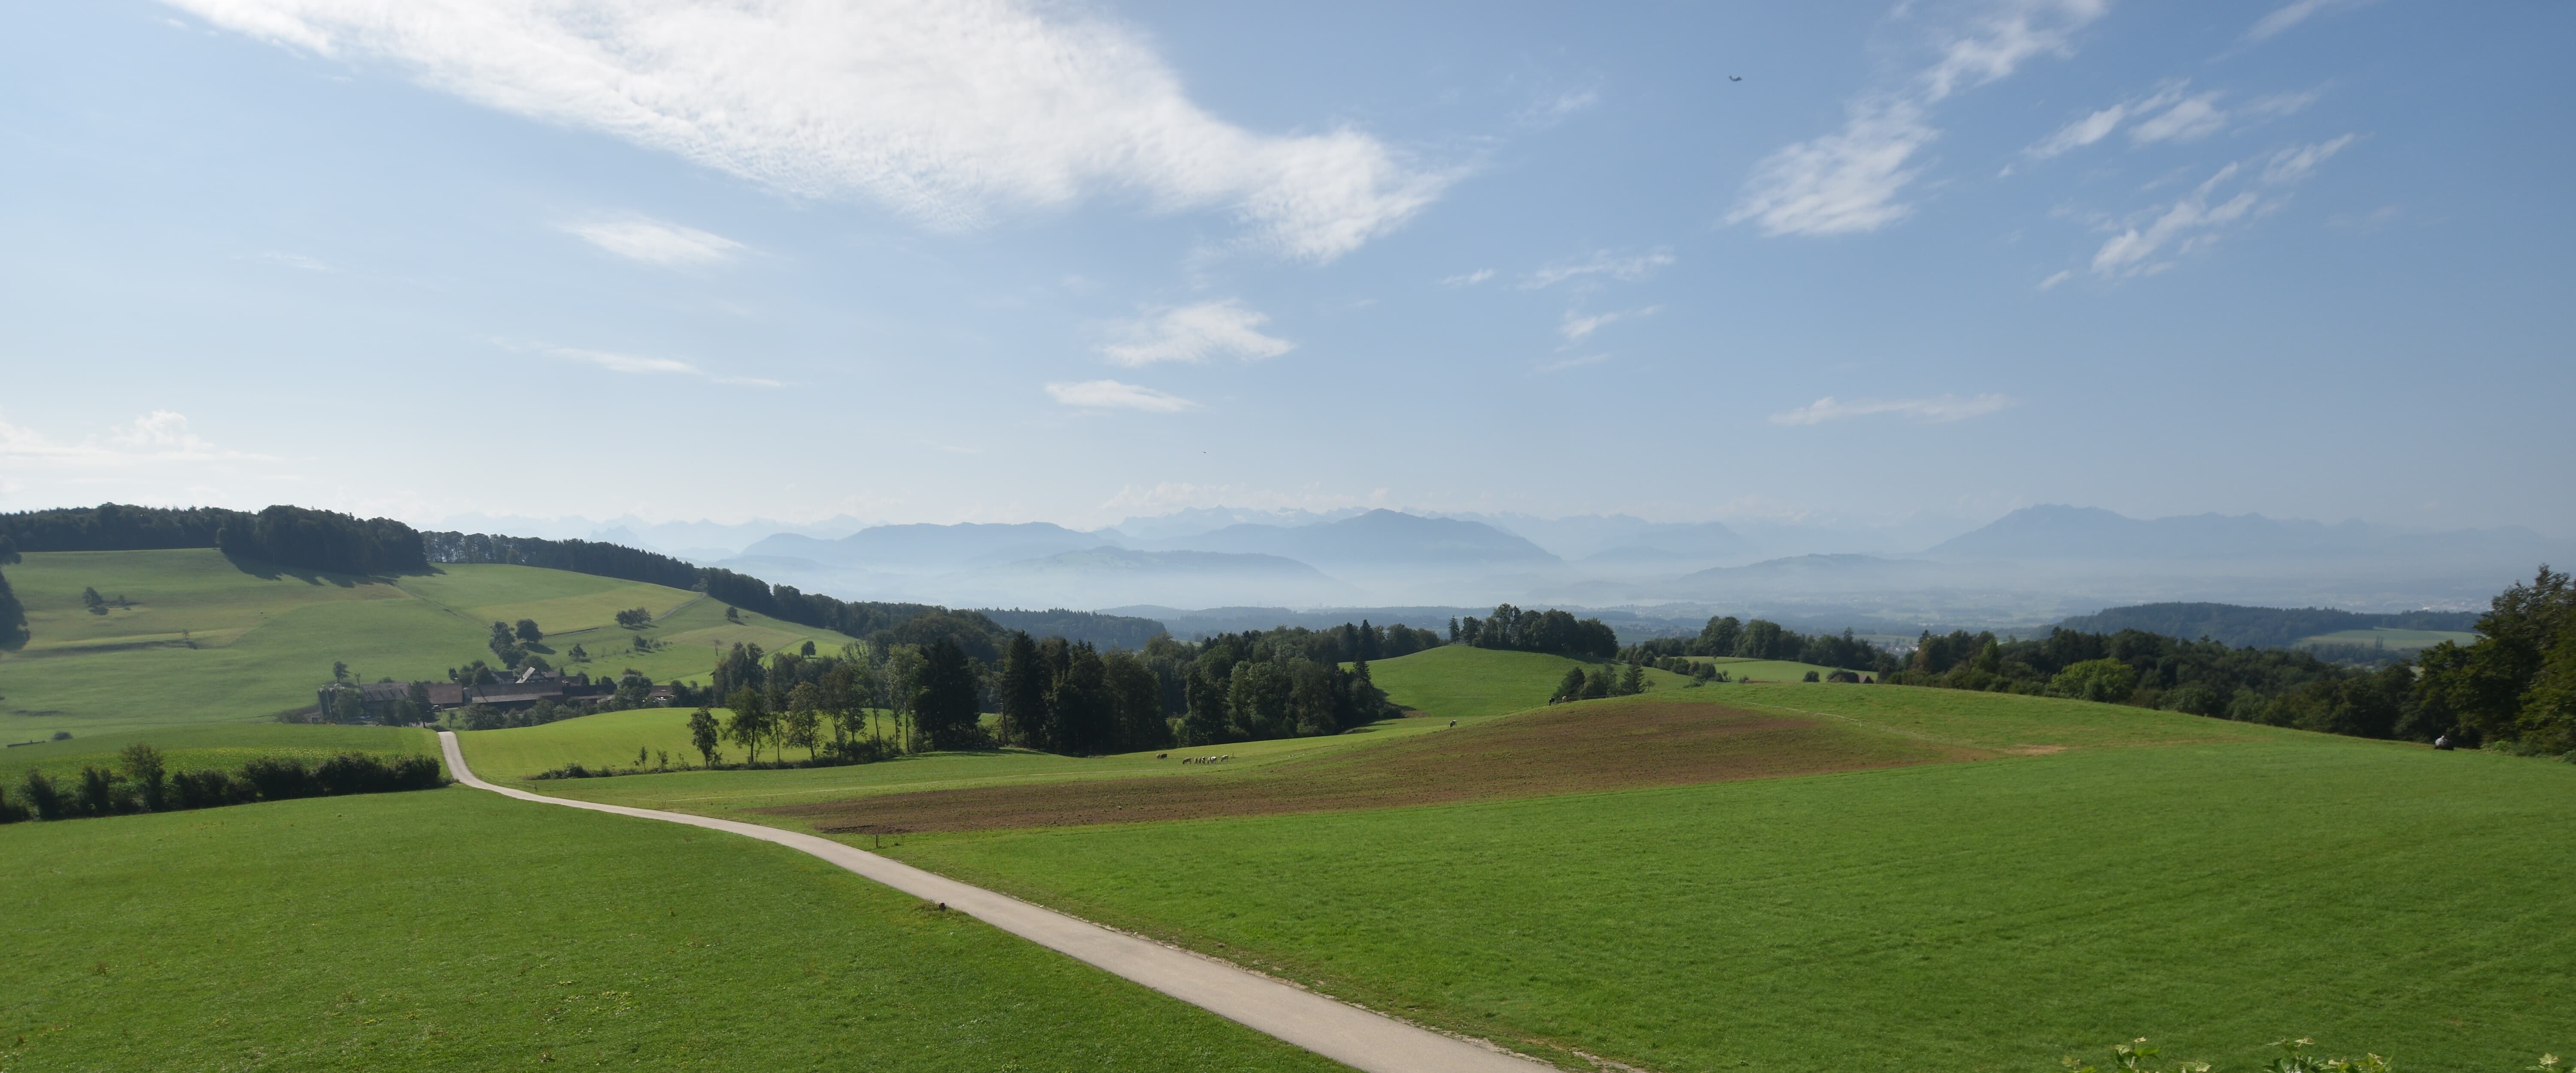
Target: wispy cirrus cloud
(1626, 268)
(654, 242)
(1575, 328)
(1468, 279)
(1195, 333)
(644, 365)
(1113, 395)
(2291, 14)
(1851, 181)
(1935, 409)
(1572, 363)
(2169, 115)
(944, 111)
(2237, 193)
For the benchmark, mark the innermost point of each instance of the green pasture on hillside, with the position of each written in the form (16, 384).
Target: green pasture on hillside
(2212, 886)
(460, 930)
(221, 746)
(610, 740)
(206, 641)
(1764, 670)
(1454, 681)
(2394, 639)
(1466, 684)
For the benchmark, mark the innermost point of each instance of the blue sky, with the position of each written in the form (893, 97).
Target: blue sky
(999, 261)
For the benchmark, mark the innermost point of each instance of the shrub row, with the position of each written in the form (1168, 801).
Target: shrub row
(139, 783)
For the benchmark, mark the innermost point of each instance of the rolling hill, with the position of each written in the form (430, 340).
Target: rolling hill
(190, 637)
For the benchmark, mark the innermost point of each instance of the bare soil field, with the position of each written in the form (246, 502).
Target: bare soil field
(1578, 748)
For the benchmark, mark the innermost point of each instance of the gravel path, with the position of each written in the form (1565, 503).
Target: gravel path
(1337, 1030)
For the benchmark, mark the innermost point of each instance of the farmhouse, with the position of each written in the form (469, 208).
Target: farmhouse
(525, 690)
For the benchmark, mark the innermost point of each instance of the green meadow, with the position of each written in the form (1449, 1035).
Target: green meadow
(222, 746)
(2113, 873)
(1454, 681)
(199, 639)
(455, 929)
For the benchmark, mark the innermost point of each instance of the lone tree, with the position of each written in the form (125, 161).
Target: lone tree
(704, 735)
(528, 632)
(750, 725)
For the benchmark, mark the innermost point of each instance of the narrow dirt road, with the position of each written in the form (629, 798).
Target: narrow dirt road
(1342, 1032)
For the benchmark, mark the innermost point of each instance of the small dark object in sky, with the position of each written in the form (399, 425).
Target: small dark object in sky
(1735, 78)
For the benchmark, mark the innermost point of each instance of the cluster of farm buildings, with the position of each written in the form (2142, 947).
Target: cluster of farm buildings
(526, 690)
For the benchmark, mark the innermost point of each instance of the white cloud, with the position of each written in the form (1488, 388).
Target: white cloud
(1573, 363)
(159, 436)
(2292, 14)
(654, 242)
(2299, 161)
(1850, 181)
(2199, 218)
(1112, 395)
(639, 365)
(2055, 278)
(1468, 279)
(1627, 269)
(1196, 333)
(1938, 408)
(944, 110)
(293, 260)
(1575, 328)
(2188, 120)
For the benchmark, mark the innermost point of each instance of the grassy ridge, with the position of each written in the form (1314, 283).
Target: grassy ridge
(263, 641)
(1993, 914)
(454, 929)
(222, 746)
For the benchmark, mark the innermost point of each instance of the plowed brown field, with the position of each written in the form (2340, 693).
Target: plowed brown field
(1599, 745)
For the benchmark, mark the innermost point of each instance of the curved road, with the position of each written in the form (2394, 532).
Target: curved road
(1337, 1030)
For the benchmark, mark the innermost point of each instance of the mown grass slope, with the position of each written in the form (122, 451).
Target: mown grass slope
(220, 746)
(458, 930)
(1456, 681)
(2214, 886)
(200, 639)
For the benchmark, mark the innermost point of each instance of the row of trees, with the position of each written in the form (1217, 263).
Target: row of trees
(1068, 697)
(141, 781)
(1763, 639)
(2514, 688)
(1548, 631)
(13, 615)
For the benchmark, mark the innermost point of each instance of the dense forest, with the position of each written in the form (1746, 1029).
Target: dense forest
(292, 537)
(1764, 639)
(1554, 632)
(2515, 688)
(2261, 627)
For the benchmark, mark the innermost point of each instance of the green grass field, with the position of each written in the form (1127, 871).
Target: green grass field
(2213, 886)
(459, 930)
(1455, 681)
(2398, 640)
(205, 641)
(222, 746)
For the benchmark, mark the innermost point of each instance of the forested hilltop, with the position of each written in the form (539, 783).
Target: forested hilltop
(2261, 627)
(301, 539)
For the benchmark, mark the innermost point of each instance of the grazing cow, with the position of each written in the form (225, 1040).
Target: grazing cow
(1453, 722)
(2443, 743)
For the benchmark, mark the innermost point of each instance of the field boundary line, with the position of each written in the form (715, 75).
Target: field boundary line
(1352, 1035)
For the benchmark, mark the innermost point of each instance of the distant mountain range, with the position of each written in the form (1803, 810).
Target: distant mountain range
(2055, 533)
(2031, 567)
